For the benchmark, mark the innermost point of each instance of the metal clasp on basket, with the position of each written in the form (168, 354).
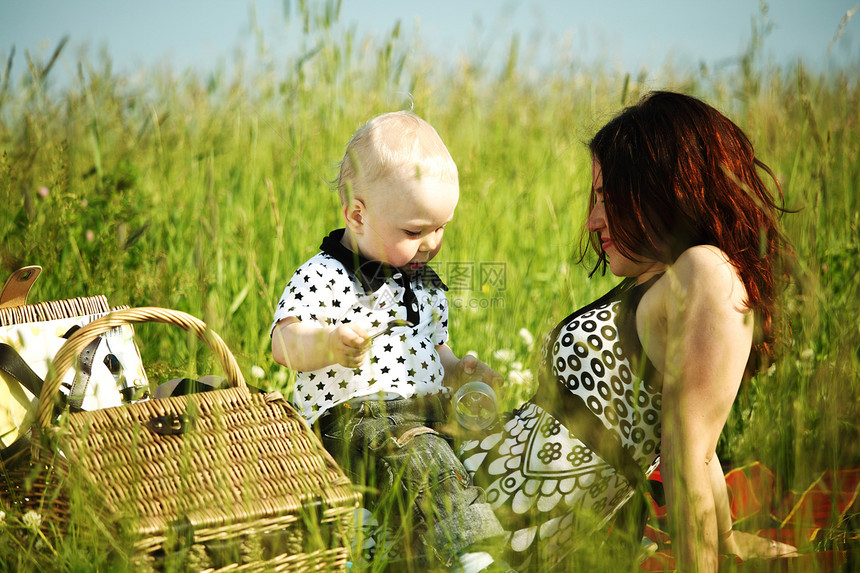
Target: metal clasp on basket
(170, 424)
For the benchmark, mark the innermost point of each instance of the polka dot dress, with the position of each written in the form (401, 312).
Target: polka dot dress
(546, 485)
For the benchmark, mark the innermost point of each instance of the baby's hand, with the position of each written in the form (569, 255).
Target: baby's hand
(470, 368)
(347, 345)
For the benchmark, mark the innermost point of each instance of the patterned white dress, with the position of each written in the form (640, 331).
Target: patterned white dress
(540, 465)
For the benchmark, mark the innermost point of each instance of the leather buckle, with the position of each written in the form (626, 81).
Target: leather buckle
(170, 424)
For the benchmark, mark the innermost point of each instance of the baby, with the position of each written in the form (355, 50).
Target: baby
(364, 322)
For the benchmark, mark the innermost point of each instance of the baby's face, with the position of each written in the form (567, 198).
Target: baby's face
(405, 218)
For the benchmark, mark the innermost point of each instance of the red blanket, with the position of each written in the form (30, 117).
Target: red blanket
(820, 521)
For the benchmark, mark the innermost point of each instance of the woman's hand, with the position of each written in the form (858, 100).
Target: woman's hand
(749, 546)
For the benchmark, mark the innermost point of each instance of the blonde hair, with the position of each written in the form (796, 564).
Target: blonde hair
(393, 144)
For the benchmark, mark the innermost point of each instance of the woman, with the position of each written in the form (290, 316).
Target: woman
(649, 371)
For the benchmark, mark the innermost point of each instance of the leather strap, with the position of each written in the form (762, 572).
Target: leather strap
(12, 364)
(79, 385)
(18, 285)
(15, 449)
(185, 386)
(16, 367)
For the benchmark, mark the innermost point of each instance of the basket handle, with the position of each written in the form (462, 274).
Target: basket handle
(70, 350)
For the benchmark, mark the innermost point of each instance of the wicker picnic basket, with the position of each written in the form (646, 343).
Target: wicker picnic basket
(14, 311)
(221, 480)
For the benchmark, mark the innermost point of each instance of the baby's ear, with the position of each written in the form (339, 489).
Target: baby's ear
(353, 213)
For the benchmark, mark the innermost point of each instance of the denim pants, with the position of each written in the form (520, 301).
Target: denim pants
(390, 446)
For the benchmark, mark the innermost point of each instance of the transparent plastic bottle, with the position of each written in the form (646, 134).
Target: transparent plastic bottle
(475, 405)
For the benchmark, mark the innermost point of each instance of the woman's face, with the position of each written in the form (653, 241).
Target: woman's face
(619, 265)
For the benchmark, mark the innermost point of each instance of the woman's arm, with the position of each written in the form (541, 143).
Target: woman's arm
(740, 543)
(706, 338)
(721, 502)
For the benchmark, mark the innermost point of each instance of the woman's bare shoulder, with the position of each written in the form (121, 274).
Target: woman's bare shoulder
(701, 294)
(705, 270)
(703, 259)
(701, 275)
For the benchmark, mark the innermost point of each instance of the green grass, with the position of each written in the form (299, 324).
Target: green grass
(203, 193)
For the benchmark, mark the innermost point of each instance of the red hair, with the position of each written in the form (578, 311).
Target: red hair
(678, 173)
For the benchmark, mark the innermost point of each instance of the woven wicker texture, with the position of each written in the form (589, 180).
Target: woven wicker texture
(53, 309)
(226, 468)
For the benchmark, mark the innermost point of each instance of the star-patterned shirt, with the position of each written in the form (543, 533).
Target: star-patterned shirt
(402, 361)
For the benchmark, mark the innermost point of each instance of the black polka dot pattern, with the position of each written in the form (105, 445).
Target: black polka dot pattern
(535, 469)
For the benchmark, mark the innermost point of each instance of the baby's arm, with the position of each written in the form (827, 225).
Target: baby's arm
(305, 347)
(459, 371)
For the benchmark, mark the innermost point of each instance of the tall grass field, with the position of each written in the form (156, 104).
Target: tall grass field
(203, 192)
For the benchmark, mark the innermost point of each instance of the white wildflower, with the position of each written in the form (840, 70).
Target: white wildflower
(807, 355)
(257, 372)
(473, 353)
(527, 337)
(772, 370)
(523, 377)
(281, 376)
(2, 518)
(517, 366)
(32, 520)
(504, 354)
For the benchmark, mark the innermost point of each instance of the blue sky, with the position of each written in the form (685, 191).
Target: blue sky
(628, 34)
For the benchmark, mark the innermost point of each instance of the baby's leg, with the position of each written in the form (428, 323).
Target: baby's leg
(451, 513)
